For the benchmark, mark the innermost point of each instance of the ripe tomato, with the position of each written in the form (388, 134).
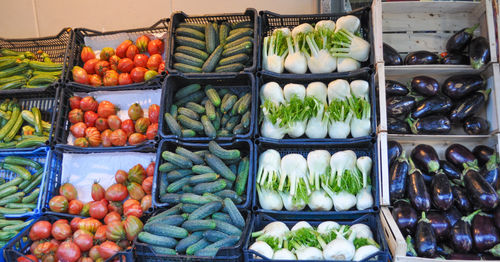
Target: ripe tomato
(136, 139)
(101, 67)
(137, 74)
(132, 50)
(40, 230)
(61, 231)
(59, 204)
(85, 259)
(121, 50)
(150, 170)
(100, 233)
(126, 65)
(141, 60)
(135, 111)
(146, 202)
(97, 191)
(124, 79)
(89, 224)
(147, 184)
(142, 124)
(128, 127)
(113, 62)
(161, 67)
(60, 221)
(133, 210)
(110, 78)
(118, 138)
(114, 122)
(98, 209)
(115, 206)
(150, 74)
(101, 124)
(137, 174)
(88, 103)
(68, 251)
(154, 113)
(93, 136)
(152, 131)
(106, 53)
(133, 226)
(75, 116)
(106, 138)
(108, 249)
(34, 245)
(89, 66)
(116, 192)
(135, 191)
(75, 207)
(154, 62)
(85, 210)
(87, 54)
(130, 202)
(121, 176)
(68, 191)
(74, 223)
(78, 129)
(27, 258)
(90, 118)
(94, 251)
(95, 80)
(105, 109)
(45, 248)
(142, 43)
(115, 231)
(155, 47)
(112, 216)
(74, 102)
(80, 75)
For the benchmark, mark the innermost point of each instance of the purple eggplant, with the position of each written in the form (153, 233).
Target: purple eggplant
(459, 86)
(425, 158)
(396, 126)
(394, 150)
(461, 236)
(459, 155)
(417, 190)
(405, 216)
(491, 172)
(430, 125)
(459, 41)
(398, 173)
(395, 88)
(461, 199)
(427, 179)
(450, 170)
(484, 233)
(442, 194)
(391, 56)
(496, 217)
(424, 85)
(483, 154)
(455, 59)
(444, 250)
(480, 191)
(440, 224)
(452, 215)
(425, 239)
(400, 105)
(479, 52)
(438, 104)
(469, 106)
(476, 126)
(421, 58)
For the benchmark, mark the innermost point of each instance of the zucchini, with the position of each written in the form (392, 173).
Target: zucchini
(189, 208)
(14, 70)
(223, 32)
(210, 110)
(194, 97)
(190, 123)
(170, 198)
(13, 85)
(11, 199)
(199, 225)
(7, 211)
(226, 193)
(205, 210)
(31, 197)
(32, 142)
(43, 66)
(214, 235)
(207, 177)
(186, 91)
(14, 182)
(212, 95)
(230, 68)
(30, 118)
(188, 241)
(21, 161)
(195, 26)
(222, 217)
(167, 167)
(219, 167)
(239, 33)
(222, 153)
(11, 79)
(212, 60)
(169, 212)
(241, 179)
(7, 222)
(200, 54)
(172, 124)
(188, 133)
(227, 228)
(189, 41)
(187, 68)
(245, 47)
(163, 250)
(245, 120)
(190, 198)
(208, 127)
(188, 60)
(15, 129)
(7, 235)
(6, 64)
(34, 183)
(233, 212)
(189, 32)
(177, 185)
(19, 170)
(42, 79)
(161, 229)
(177, 159)
(189, 113)
(228, 103)
(151, 239)
(210, 187)
(15, 204)
(210, 38)
(201, 169)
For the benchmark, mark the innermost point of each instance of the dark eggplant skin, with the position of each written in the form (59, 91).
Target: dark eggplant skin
(438, 104)
(496, 217)
(405, 216)
(461, 199)
(425, 239)
(395, 88)
(431, 125)
(427, 179)
(396, 126)
(479, 52)
(400, 105)
(450, 170)
(469, 106)
(458, 86)
(455, 59)
(484, 233)
(480, 191)
(459, 41)
(425, 158)
(452, 215)
(461, 235)
(440, 224)
(421, 58)
(458, 155)
(394, 150)
(417, 190)
(391, 56)
(397, 174)
(483, 154)
(460, 256)
(476, 126)
(442, 194)
(444, 250)
(491, 172)
(424, 85)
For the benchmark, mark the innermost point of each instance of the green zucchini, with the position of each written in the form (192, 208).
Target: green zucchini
(43, 66)
(14, 70)
(31, 197)
(21, 161)
(8, 191)
(205, 210)
(14, 182)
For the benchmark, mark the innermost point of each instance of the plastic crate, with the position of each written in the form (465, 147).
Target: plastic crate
(227, 254)
(250, 14)
(20, 245)
(363, 74)
(271, 21)
(63, 125)
(259, 221)
(245, 146)
(13, 240)
(239, 84)
(78, 42)
(362, 148)
(40, 155)
(55, 46)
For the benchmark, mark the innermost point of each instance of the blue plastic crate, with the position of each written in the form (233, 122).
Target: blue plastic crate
(12, 240)
(259, 221)
(361, 148)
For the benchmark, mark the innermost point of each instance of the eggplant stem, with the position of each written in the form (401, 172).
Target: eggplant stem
(471, 30)
(423, 218)
(471, 216)
(409, 246)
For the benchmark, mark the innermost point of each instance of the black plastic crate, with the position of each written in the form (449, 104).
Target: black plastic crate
(361, 148)
(55, 46)
(226, 254)
(259, 221)
(239, 84)
(20, 245)
(245, 146)
(78, 42)
(250, 14)
(363, 74)
(271, 21)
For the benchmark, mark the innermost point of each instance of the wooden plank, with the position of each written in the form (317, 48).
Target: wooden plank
(377, 30)
(393, 22)
(422, 7)
(405, 43)
(380, 81)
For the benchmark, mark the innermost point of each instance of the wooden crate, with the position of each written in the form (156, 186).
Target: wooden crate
(414, 26)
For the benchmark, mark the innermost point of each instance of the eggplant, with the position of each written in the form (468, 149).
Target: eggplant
(459, 86)
(476, 126)
(452, 215)
(450, 170)
(425, 158)
(479, 52)
(398, 173)
(459, 155)
(455, 59)
(461, 236)
(491, 172)
(438, 104)
(430, 125)
(469, 106)
(442, 194)
(483, 154)
(391, 56)
(461, 256)
(410, 247)
(417, 190)
(496, 217)
(394, 150)
(461, 199)
(421, 58)
(396, 126)
(444, 250)
(400, 105)
(425, 239)
(427, 179)
(405, 216)
(459, 41)
(480, 191)
(440, 224)
(424, 85)
(395, 88)
(484, 233)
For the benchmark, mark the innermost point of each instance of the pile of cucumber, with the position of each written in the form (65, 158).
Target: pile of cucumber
(20, 195)
(203, 48)
(23, 70)
(199, 231)
(208, 112)
(9, 228)
(34, 133)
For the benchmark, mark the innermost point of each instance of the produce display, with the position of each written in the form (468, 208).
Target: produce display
(213, 47)
(321, 181)
(461, 49)
(446, 208)
(24, 70)
(328, 241)
(295, 110)
(431, 108)
(96, 123)
(127, 64)
(10, 228)
(207, 111)
(327, 47)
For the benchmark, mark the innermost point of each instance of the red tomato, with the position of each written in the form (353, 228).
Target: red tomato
(130, 202)
(85, 259)
(155, 47)
(78, 129)
(154, 62)
(45, 248)
(110, 78)
(147, 184)
(116, 192)
(161, 67)
(81, 142)
(105, 109)
(115, 231)
(108, 249)
(135, 111)
(61, 231)
(93, 136)
(137, 174)
(27, 258)
(68, 251)
(141, 60)
(90, 118)
(85, 210)
(125, 79)
(101, 67)
(150, 170)
(135, 190)
(132, 50)
(154, 113)
(118, 138)
(87, 54)
(75, 207)
(95, 80)
(75, 116)
(68, 191)
(74, 102)
(101, 124)
(88, 103)
(133, 226)
(89, 66)
(121, 176)
(133, 210)
(106, 138)
(146, 203)
(100, 233)
(128, 127)
(89, 224)
(106, 53)
(34, 245)
(150, 74)
(115, 206)
(112, 216)
(152, 131)
(121, 50)
(94, 251)
(136, 138)
(113, 62)
(74, 223)
(40, 230)
(60, 221)
(98, 209)
(126, 65)
(142, 43)
(142, 124)
(97, 191)
(114, 122)
(58, 204)
(80, 75)
(137, 74)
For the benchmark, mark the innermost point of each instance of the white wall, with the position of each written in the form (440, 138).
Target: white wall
(35, 18)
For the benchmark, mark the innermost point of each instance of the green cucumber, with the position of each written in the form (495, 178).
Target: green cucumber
(188, 112)
(175, 175)
(177, 159)
(205, 211)
(214, 235)
(210, 110)
(189, 32)
(210, 38)
(188, 241)
(212, 94)
(243, 48)
(189, 208)
(187, 68)
(200, 54)
(239, 42)
(228, 103)
(163, 250)
(161, 229)
(207, 177)
(152, 239)
(197, 160)
(226, 193)
(201, 169)
(236, 217)
(239, 33)
(219, 167)
(170, 198)
(230, 68)
(245, 120)
(186, 91)
(222, 153)
(195, 107)
(190, 123)
(199, 225)
(169, 212)
(188, 60)
(227, 228)
(189, 41)
(208, 127)
(167, 167)
(177, 185)
(212, 60)
(222, 217)
(202, 243)
(242, 177)
(238, 58)
(195, 26)
(210, 187)
(223, 32)
(190, 198)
